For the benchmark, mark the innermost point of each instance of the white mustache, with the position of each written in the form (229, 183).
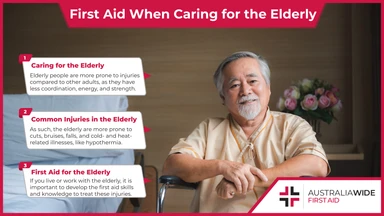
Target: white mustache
(248, 98)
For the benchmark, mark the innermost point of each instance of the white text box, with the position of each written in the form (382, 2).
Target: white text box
(84, 130)
(84, 76)
(84, 181)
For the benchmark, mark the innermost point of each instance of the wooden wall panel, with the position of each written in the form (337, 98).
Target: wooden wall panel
(180, 92)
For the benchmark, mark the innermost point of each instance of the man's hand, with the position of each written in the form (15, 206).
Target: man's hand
(225, 189)
(242, 175)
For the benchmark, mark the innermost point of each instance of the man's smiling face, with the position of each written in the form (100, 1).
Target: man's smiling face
(245, 92)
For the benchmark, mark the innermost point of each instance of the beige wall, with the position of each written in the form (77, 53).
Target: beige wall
(180, 92)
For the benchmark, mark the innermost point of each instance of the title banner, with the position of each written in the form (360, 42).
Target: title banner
(191, 14)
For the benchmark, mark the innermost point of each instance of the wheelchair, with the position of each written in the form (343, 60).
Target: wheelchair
(171, 182)
(174, 182)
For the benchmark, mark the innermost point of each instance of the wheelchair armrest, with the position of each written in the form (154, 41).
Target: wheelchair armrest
(177, 182)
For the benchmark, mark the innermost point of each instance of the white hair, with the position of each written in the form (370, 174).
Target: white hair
(218, 77)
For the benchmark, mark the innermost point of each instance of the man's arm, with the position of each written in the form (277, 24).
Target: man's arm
(190, 169)
(301, 165)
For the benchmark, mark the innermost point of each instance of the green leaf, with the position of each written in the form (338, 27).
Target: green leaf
(314, 114)
(320, 114)
(298, 111)
(327, 118)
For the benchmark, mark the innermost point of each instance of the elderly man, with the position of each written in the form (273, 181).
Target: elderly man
(236, 158)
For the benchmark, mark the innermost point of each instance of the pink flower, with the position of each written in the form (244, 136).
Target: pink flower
(332, 97)
(309, 102)
(291, 103)
(337, 106)
(292, 92)
(319, 91)
(335, 89)
(281, 104)
(324, 102)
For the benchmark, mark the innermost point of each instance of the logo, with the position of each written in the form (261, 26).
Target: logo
(292, 196)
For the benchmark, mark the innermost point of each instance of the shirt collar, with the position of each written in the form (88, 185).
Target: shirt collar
(239, 131)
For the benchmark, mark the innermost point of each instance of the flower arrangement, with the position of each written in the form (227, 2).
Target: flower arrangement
(312, 100)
